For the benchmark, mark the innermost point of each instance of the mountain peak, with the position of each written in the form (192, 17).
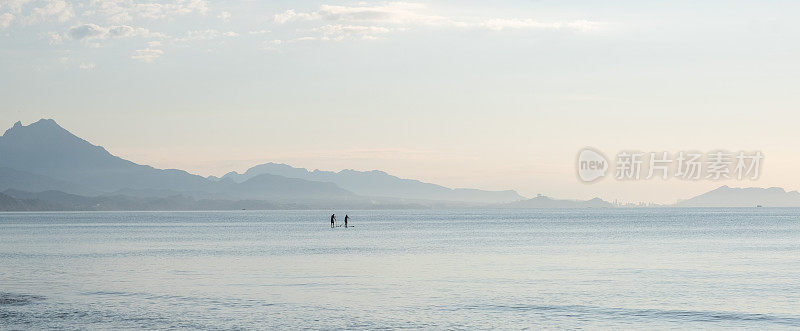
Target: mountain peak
(46, 124)
(16, 126)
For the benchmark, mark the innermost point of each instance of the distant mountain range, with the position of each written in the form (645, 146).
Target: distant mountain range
(18, 179)
(44, 158)
(722, 197)
(45, 167)
(725, 196)
(378, 184)
(16, 200)
(547, 202)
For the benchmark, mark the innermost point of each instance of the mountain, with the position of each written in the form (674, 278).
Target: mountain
(17, 200)
(43, 156)
(47, 149)
(60, 201)
(17, 179)
(379, 184)
(10, 203)
(52, 197)
(547, 202)
(272, 187)
(725, 196)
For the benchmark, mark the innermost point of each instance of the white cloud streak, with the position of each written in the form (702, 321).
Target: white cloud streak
(501, 24)
(121, 19)
(373, 21)
(339, 32)
(96, 32)
(147, 55)
(391, 13)
(121, 11)
(207, 34)
(291, 16)
(224, 16)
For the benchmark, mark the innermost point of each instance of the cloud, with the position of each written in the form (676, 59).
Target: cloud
(95, 22)
(54, 38)
(121, 31)
(366, 21)
(291, 16)
(339, 32)
(14, 5)
(501, 24)
(5, 20)
(272, 45)
(92, 31)
(390, 13)
(113, 12)
(147, 55)
(178, 7)
(199, 35)
(58, 10)
(225, 16)
(207, 34)
(86, 31)
(122, 11)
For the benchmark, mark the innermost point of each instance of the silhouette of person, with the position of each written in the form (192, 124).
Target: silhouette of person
(345, 219)
(333, 218)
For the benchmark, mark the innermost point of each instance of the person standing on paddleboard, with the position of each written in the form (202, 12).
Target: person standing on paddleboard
(333, 218)
(345, 219)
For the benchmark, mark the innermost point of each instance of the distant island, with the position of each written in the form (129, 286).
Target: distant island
(44, 167)
(725, 196)
(542, 201)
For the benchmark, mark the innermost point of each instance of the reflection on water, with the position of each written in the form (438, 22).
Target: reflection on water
(644, 268)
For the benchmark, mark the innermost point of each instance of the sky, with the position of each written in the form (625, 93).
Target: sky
(491, 95)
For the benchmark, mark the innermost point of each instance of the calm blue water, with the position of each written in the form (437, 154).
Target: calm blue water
(624, 268)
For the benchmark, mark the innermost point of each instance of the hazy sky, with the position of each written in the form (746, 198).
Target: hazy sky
(492, 95)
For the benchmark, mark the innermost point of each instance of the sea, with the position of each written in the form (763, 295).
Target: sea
(637, 268)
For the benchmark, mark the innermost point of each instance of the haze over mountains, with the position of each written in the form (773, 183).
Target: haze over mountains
(45, 167)
(548, 202)
(725, 196)
(379, 184)
(43, 158)
(46, 149)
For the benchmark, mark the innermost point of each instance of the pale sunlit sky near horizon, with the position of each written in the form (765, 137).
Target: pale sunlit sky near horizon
(492, 95)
